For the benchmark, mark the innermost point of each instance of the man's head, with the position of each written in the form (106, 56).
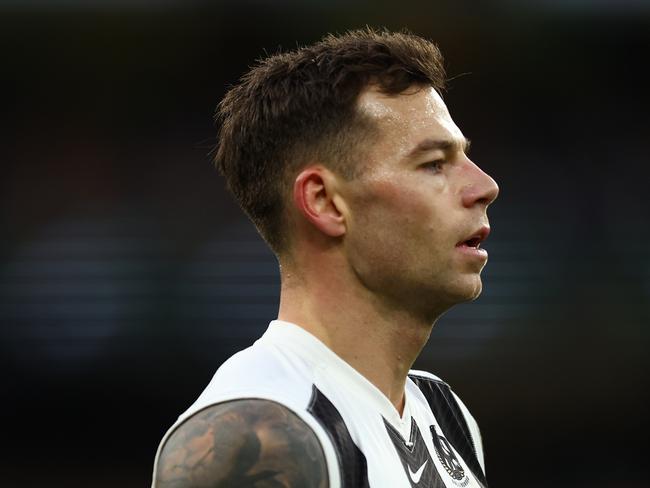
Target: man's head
(299, 108)
(348, 149)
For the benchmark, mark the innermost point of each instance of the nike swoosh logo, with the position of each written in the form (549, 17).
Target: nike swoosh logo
(415, 477)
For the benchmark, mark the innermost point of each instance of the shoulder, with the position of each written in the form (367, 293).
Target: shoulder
(438, 392)
(257, 372)
(425, 380)
(263, 364)
(242, 443)
(425, 375)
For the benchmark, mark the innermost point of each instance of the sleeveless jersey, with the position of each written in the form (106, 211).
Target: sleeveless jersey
(435, 443)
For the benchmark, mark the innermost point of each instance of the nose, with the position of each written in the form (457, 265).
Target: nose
(481, 188)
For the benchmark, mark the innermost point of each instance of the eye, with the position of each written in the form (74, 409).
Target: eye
(434, 166)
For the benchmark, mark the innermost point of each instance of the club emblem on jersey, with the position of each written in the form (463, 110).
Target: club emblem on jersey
(447, 456)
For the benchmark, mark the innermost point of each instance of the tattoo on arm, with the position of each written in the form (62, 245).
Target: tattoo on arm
(242, 444)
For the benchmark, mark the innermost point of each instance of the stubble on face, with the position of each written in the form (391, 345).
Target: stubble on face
(405, 221)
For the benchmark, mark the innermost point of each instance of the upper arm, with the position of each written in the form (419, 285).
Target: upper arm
(245, 444)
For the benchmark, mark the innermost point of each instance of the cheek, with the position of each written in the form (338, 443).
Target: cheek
(395, 214)
(410, 206)
(397, 239)
(396, 196)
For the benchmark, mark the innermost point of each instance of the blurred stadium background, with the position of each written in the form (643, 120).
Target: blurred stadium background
(127, 274)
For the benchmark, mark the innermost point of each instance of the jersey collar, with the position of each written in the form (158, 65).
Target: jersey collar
(291, 336)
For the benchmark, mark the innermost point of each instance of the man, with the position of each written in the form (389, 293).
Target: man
(345, 157)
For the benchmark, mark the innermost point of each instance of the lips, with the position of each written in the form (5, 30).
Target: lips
(475, 238)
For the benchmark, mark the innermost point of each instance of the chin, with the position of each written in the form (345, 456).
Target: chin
(476, 294)
(468, 292)
(447, 298)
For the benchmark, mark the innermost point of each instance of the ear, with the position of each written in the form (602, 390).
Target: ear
(315, 197)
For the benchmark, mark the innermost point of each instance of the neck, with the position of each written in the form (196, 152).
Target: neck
(379, 341)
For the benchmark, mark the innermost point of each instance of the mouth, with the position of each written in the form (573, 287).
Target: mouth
(476, 238)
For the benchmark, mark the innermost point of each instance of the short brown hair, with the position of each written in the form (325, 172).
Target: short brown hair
(300, 106)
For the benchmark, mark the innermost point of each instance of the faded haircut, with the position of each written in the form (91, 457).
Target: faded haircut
(300, 107)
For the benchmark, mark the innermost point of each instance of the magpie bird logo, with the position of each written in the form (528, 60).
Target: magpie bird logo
(447, 456)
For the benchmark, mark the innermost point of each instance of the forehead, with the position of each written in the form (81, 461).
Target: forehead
(406, 119)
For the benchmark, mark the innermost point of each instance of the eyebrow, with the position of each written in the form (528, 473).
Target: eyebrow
(441, 144)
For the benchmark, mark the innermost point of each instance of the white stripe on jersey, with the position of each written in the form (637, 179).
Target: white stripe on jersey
(288, 365)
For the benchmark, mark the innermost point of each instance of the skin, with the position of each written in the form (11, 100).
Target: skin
(374, 262)
(408, 212)
(372, 266)
(243, 444)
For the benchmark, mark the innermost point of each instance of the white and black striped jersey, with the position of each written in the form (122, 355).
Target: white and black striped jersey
(435, 443)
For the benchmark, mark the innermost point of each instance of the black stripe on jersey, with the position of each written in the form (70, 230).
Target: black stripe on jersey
(415, 457)
(352, 462)
(452, 421)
